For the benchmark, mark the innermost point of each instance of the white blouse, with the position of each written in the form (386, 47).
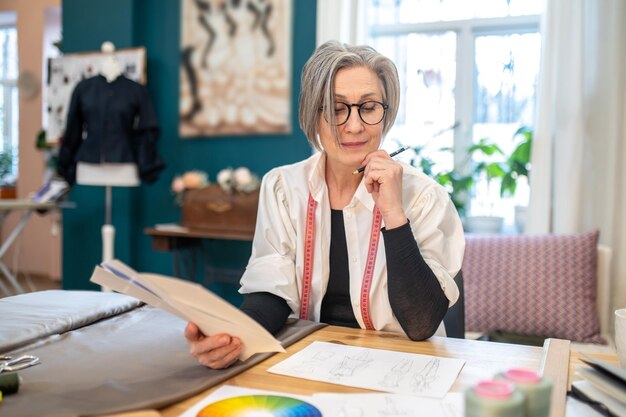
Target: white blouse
(276, 263)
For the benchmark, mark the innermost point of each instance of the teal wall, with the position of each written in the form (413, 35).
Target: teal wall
(155, 24)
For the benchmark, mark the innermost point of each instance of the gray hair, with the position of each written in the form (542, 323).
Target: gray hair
(318, 78)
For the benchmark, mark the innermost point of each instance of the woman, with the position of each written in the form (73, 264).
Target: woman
(376, 249)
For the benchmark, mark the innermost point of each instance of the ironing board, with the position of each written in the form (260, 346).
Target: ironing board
(27, 207)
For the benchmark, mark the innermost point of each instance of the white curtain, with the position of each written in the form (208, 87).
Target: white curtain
(578, 181)
(340, 20)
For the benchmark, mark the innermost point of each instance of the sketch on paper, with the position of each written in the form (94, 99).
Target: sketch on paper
(382, 370)
(393, 408)
(396, 373)
(235, 68)
(318, 359)
(350, 364)
(389, 405)
(423, 379)
(66, 71)
(350, 412)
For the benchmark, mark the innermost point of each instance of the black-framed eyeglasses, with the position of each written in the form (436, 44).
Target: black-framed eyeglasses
(370, 112)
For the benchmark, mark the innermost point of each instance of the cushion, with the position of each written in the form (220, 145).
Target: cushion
(542, 285)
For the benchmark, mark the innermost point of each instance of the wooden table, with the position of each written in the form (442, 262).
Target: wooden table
(168, 239)
(483, 360)
(186, 245)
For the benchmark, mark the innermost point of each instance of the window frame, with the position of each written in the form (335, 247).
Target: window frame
(10, 138)
(467, 31)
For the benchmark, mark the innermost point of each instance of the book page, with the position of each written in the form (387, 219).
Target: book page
(604, 383)
(592, 393)
(189, 301)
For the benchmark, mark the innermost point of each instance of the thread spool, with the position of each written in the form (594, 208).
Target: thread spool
(494, 398)
(536, 389)
(9, 383)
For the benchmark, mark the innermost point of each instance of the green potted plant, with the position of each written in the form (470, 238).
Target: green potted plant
(7, 185)
(483, 166)
(6, 162)
(517, 166)
(460, 184)
(487, 160)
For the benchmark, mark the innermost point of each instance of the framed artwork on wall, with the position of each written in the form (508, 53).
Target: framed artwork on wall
(66, 71)
(235, 69)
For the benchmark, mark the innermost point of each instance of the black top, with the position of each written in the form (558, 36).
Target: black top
(415, 295)
(336, 305)
(110, 122)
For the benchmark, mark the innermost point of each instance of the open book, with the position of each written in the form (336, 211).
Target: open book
(189, 301)
(603, 383)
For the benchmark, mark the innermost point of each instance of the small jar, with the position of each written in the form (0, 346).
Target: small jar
(536, 389)
(9, 383)
(494, 398)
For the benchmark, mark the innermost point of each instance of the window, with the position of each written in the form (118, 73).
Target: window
(468, 70)
(51, 40)
(8, 91)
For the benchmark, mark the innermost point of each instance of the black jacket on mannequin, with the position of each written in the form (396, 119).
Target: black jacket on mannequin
(110, 123)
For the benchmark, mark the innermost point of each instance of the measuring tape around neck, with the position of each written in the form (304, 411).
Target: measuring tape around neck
(309, 243)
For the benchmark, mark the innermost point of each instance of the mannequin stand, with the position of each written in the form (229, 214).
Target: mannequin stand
(108, 230)
(107, 176)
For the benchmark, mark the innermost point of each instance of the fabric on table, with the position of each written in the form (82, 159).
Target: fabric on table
(28, 317)
(131, 361)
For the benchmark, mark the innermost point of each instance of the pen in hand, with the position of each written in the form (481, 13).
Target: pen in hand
(392, 154)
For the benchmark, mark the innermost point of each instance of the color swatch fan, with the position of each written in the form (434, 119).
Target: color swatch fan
(260, 406)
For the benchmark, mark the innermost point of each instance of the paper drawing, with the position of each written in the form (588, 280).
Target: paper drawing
(396, 373)
(422, 380)
(382, 370)
(389, 405)
(349, 364)
(392, 408)
(314, 363)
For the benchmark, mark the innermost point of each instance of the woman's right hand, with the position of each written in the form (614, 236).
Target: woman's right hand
(217, 351)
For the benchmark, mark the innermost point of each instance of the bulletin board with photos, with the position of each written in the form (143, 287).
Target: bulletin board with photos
(68, 70)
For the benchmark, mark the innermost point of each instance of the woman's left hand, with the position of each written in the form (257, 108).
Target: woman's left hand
(383, 179)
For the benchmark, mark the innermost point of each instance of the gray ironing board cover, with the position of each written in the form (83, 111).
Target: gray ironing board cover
(29, 317)
(136, 359)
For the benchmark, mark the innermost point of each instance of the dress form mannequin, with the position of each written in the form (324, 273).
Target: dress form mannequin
(108, 174)
(110, 136)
